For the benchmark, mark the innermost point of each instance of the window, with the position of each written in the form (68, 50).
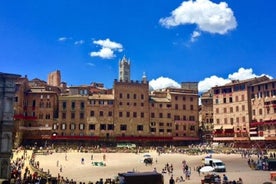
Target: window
(55, 127)
(128, 114)
(191, 107)
(191, 118)
(82, 126)
(91, 127)
(63, 126)
(109, 113)
(242, 97)
(217, 101)
(176, 98)
(160, 115)
(237, 98)
(73, 105)
(142, 96)
(224, 110)
(123, 127)
(260, 111)
(224, 100)
(231, 109)
(102, 126)
(134, 96)
(134, 114)
(63, 115)
(72, 126)
(217, 110)
(120, 95)
(139, 127)
(152, 115)
(101, 113)
(176, 106)
(243, 107)
(142, 115)
(184, 107)
(127, 96)
(192, 128)
(237, 108)
(92, 113)
(120, 114)
(169, 115)
(110, 127)
(81, 115)
(82, 105)
(237, 119)
(72, 115)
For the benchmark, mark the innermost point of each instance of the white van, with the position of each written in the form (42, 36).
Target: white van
(217, 164)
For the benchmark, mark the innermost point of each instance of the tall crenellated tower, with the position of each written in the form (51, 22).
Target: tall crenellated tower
(124, 69)
(54, 78)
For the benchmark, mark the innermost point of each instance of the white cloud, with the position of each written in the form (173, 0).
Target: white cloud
(208, 16)
(62, 39)
(210, 82)
(79, 42)
(163, 82)
(195, 35)
(241, 74)
(105, 53)
(107, 50)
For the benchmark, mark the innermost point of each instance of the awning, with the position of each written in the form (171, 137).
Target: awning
(253, 132)
(228, 126)
(217, 127)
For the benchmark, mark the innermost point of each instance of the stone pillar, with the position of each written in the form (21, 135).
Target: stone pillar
(7, 93)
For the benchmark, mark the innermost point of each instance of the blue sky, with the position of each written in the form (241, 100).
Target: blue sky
(203, 41)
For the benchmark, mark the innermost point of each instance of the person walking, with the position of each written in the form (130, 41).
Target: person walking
(172, 180)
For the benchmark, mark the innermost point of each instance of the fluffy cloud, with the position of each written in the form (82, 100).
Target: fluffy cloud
(163, 82)
(208, 16)
(212, 81)
(107, 50)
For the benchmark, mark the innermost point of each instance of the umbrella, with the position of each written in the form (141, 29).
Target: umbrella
(206, 169)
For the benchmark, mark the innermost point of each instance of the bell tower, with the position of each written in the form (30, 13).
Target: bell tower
(124, 70)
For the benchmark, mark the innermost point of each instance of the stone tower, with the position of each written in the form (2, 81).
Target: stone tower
(54, 78)
(124, 70)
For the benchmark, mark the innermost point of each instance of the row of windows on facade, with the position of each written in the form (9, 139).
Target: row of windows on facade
(128, 115)
(265, 111)
(231, 109)
(109, 102)
(260, 111)
(123, 134)
(123, 127)
(271, 93)
(242, 87)
(230, 120)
